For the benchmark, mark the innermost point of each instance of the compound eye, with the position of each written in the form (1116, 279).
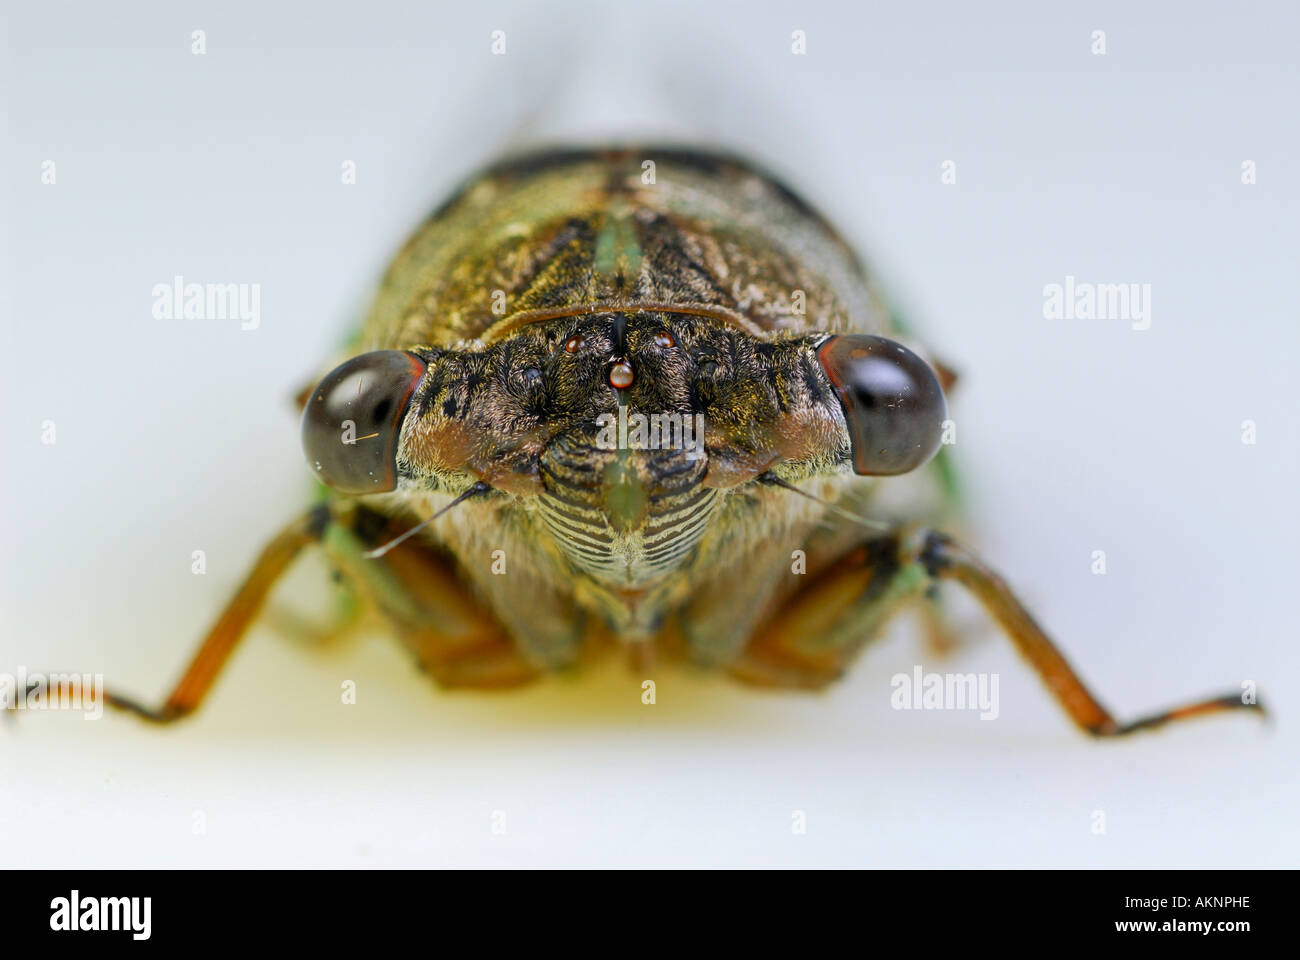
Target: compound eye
(352, 422)
(892, 402)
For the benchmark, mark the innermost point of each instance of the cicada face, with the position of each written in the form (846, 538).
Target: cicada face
(622, 429)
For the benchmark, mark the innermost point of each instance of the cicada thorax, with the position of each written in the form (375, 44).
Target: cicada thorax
(564, 232)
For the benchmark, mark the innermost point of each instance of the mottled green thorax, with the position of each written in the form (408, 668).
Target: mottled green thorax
(568, 230)
(618, 245)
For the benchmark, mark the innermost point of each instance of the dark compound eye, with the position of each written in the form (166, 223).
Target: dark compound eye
(531, 376)
(892, 402)
(352, 422)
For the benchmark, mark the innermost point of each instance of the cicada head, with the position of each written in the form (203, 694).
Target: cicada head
(623, 430)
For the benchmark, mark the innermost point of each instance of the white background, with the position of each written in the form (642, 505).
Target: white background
(1074, 436)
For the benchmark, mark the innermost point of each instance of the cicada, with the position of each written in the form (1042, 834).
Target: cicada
(645, 400)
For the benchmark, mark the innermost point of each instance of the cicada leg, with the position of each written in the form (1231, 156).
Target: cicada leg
(413, 586)
(417, 590)
(233, 623)
(947, 560)
(812, 638)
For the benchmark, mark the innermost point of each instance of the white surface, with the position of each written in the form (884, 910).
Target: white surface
(1074, 435)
